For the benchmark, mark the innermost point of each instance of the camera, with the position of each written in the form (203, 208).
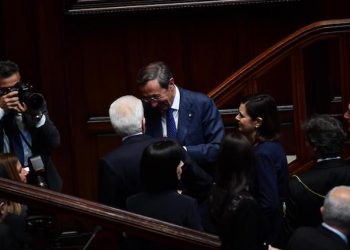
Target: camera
(33, 100)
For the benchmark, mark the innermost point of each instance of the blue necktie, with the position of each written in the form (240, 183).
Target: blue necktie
(170, 124)
(15, 140)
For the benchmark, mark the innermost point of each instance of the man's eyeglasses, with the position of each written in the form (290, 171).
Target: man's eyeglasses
(151, 98)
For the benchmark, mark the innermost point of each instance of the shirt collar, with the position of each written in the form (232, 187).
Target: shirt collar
(337, 232)
(176, 102)
(128, 136)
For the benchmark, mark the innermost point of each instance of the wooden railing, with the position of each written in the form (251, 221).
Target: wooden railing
(291, 47)
(107, 217)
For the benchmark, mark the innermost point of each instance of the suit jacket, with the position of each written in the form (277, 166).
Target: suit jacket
(303, 207)
(309, 238)
(119, 171)
(167, 206)
(271, 186)
(44, 140)
(200, 127)
(119, 175)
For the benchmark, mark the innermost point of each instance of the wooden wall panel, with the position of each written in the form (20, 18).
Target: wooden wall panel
(83, 62)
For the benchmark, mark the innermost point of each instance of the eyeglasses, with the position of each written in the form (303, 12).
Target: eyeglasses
(151, 98)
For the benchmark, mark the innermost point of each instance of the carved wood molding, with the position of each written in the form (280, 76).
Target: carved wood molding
(107, 217)
(272, 56)
(84, 7)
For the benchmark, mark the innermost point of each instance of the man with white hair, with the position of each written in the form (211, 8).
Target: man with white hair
(333, 233)
(119, 171)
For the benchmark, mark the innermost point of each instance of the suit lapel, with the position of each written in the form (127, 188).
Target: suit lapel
(186, 115)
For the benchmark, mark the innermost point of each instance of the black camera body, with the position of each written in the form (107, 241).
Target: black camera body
(33, 100)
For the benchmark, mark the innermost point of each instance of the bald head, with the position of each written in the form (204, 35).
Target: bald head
(126, 115)
(336, 208)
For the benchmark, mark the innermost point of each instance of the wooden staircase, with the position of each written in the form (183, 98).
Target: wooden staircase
(292, 49)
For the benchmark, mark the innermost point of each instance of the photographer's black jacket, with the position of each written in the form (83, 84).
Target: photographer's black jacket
(44, 140)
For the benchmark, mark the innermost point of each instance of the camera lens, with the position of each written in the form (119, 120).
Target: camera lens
(35, 101)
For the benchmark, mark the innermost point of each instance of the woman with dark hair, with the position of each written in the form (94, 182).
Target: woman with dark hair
(258, 121)
(160, 171)
(233, 210)
(11, 168)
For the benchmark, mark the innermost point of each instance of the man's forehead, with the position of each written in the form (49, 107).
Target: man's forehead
(151, 87)
(9, 81)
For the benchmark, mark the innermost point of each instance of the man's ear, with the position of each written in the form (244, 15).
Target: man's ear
(171, 82)
(322, 209)
(259, 121)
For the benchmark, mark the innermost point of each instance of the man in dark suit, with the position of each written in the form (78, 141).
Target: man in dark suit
(198, 123)
(326, 137)
(119, 171)
(26, 129)
(333, 233)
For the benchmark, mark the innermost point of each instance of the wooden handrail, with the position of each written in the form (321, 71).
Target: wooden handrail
(222, 93)
(107, 217)
(292, 47)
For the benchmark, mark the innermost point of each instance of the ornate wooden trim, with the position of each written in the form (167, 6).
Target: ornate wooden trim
(107, 217)
(272, 56)
(84, 7)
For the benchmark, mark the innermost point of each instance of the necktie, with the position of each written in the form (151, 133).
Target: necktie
(15, 140)
(170, 124)
(16, 143)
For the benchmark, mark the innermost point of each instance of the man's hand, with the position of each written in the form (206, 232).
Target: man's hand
(11, 101)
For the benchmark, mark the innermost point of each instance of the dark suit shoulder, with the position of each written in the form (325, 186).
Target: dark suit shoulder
(325, 175)
(192, 96)
(315, 239)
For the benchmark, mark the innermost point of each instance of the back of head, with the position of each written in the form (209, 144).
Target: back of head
(8, 167)
(155, 70)
(158, 165)
(126, 115)
(265, 107)
(326, 134)
(336, 208)
(8, 68)
(235, 162)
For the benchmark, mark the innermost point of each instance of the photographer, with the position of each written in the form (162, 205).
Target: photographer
(26, 129)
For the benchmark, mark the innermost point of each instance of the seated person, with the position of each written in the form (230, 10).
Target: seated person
(11, 168)
(326, 137)
(160, 171)
(333, 233)
(235, 213)
(6, 241)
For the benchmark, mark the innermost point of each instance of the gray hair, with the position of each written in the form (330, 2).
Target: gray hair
(336, 207)
(126, 115)
(326, 133)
